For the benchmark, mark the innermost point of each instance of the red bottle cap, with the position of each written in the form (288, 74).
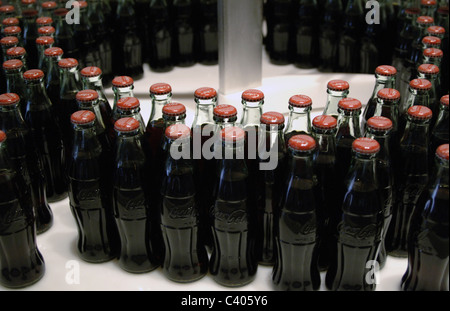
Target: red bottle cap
(325, 122)
(28, 1)
(272, 118)
(90, 72)
(127, 125)
(9, 99)
(380, 123)
(12, 30)
(174, 109)
(442, 152)
(67, 63)
(33, 74)
(128, 103)
(428, 2)
(366, 146)
(5, 9)
(61, 12)
(82, 117)
(177, 131)
(420, 84)
(253, 95)
(431, 41)
(300, 101)
(44, 20)
(29, 13)
(389, 94)
(225, 111)
(45, 40)
(87, 96)
(420, 113)
(302, 143)
(350, 104)
(386, 70)
(10, 21)
(232, 134)
(17, 51)
(46, 30)
(122, 81)
(425, 20)
(436, 30)
(338, 85)
(80, 4)
(428, 69)
(49, 5)
(205, 93)
(9, 41)
(444, 100)
(433, 53)
(160, 89)
(12, 64)
(53, 52)
(2, 136)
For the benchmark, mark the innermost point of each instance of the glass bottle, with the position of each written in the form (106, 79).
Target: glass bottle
(14, 79)
(299, 121)
(432, 56)
(24, 157)
(45, 128)
(22, 263)
(328, 212)
(208, 51)
(428, 240)
(90, 194)
(64, 34)
(440, 131)
(18, 53)
(379, 128)
(43, 43)
(278, 31)
(52, 78)
(336, 90)
(130, 107)
(385, 77)
(362, 211)
(29, 35)
(412, 178)
(330, 25)
(233, 260)
(272, 165)
(431, 73)
(297, 235)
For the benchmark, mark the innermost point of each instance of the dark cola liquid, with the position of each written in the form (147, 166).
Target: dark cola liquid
(21, 263)
(329, 37)
(154, 135)
(67, 106)
(428, 250)
(328, 209)
(183, 34)
(359, 235)
(412, 179)
(185, 257)
(343, 163)
(278, 31)
(306, 43)
(208, 34)
(233, 260)
(160, 41)
(296, 267)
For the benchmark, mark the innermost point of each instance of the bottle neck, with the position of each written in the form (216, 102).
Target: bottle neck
(440, 175)
(383, 82)
(95, 108)
(14, 80)
(129, 150)
(348, 124)
(333, 99)
(172, 120)
(251, 115)
(388, 109)
(301, 166)
(233, 161)
(132, 113)
(362, 174)
(416, 134)
(326, 141)
(299, 120)
(4, 158)
(204, 112)
(37, 94)
(52, 68)
(85, 142)
(122, 92)
(415, 98)
(442, 120)
(274, 140)
(96, 84)
(70, 81)
(222, 123)
(158, 102)
(11, 117)
(383, 138)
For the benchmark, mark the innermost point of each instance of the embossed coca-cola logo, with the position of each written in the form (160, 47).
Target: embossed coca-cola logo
(135, 203)
(182, 212)
(359, 233)
(9, 215)
(233, 217)
(88, 194)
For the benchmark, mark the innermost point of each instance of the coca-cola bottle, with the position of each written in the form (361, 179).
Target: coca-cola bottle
(43, 43)
(272, 159)
(13, 31)
(224, 116)
(432, 56)
(160, 36)
(385, 77)
(48, 8)
(48, 31)
(127, 52)
(428, 7)
(92, 78)
(52, 78)
(431, 73)
(412, 178)
(45, 129)
(207, 25)
(6, 43)
(428, 241)
(184, 36)
(327, 211)
(233, 259)
(299, 121)
(129, 107)
(350, 37)
(305, 34)
(14, 78)
(329, 35)
(442, 19)
(379, 128)
(64, 34)
(279, 16)
(360, 230)
(131, 203)
(185, 258)
(29, 35)
(89, 192)
(18, 53)
(21, 262)
(336, 90)
(297, 235)
(430, 42)
(440, 131)
(44, 21)
(70, 85)
(24, 158)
